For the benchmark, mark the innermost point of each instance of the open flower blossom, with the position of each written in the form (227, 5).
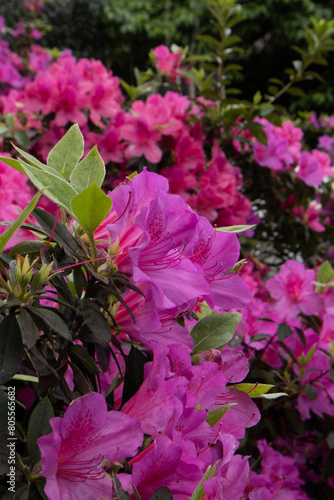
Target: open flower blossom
(162, 244)
(74, 454)
(294, 290)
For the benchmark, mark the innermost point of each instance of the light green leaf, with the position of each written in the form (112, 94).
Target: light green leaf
(325, 273)
(214, 331)
(90, 207)
(5, 237)
(234, 229)
(55, 187)
(12, 163)
(26, 378)
(215, 415)
(67, 152)
(31, 159)
(274, 395)
(199, 491)
(254, 390)
(90, 170)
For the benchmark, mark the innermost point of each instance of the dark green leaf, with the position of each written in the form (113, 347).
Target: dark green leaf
(79, 353)
(11, 349)
(134, 373)
(29, 331)
(258, 337)
(39, 426)
(96, 321)
(53, 320)
(214, 331)
(103, 357)
(27, 247)
(311, 392)
(283, 331)
(162, 493)
(80, 381)
(80, 282)
(61, 235)
(256, 129)
(121, 494)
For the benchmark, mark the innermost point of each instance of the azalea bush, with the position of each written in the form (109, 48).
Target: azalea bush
(152, 355)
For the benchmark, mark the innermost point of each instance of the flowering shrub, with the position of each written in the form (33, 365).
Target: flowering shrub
(137, 312)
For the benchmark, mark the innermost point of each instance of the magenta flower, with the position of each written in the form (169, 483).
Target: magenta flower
(309, 169)
(167, 62)
(276, 153)
(163, 466)
(294, 291)
(73, 454)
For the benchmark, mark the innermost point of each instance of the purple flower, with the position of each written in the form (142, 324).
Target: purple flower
(73, 454)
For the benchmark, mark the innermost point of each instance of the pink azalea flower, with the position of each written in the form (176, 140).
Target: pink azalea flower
(309, 169)
(167, 62)
(310, 216)
(74, 453)
(275, 154)
(294, 292)
(294, 136)
(163, 466)
(274, 467)
(142, 138)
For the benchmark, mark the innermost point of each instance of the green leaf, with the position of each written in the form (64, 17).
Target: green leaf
(215, 415)
(214, 331)
(235, 229)
(296, 91)
(311, 392)
(199, 491)
(90, 170)
(121, 494)
(325, 273)
(27, 247)
(32, 160)
(90, 207)
(67, 152)
(21, 138)
(96, 322)
(283, 331)
(29, 330)
(162, 493)
(79, 353)
(254, 390)
(256, 129)
(274, 395)
(54, 185)
(39, 425)
(25, 378)
(12, 163)
(61, 235)
(259, 390)
(52, 320)
(5, 237)
(11, 349)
